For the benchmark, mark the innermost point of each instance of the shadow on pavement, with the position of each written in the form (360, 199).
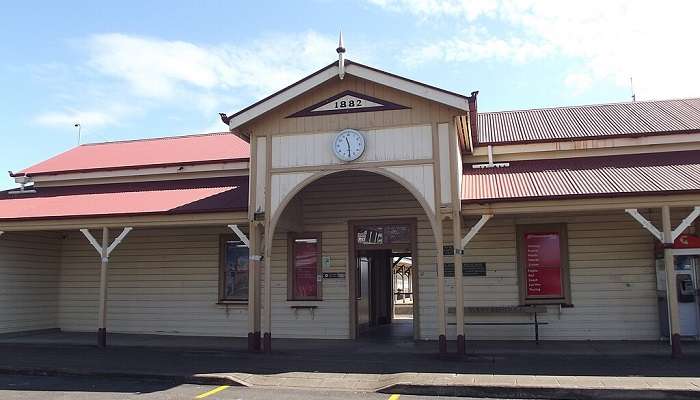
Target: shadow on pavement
(185, 356)
(27, 383)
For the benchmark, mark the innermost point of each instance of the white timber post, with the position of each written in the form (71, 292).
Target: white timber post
(460, 244)
(267, 303)
(104, 250)
(254, 287)
(102, 313)
(440, 259)
(671, 293)
(459, 278)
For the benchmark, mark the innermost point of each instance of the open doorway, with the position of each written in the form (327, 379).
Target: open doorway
(402, 275)
(384, 280)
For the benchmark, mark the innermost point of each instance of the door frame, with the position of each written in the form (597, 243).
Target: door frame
(352, 268)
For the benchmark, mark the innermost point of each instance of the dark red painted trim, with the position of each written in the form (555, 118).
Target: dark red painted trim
(129, 167)
(669, 158)
(89, 216)
(473, 118)
(384, 106)
(578, 196)
(583, 138)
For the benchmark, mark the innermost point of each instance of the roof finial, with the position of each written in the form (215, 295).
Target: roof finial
(341, 57)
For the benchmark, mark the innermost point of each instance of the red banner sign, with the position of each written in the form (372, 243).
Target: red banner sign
(305, 268)
(543, 265)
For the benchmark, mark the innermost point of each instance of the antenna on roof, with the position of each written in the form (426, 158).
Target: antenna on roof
(77, 125)
(341, 56)
(634, 96)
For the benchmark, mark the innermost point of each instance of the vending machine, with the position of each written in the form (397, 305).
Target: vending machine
(686, 273)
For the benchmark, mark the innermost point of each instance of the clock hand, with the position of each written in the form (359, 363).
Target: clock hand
(348, 141)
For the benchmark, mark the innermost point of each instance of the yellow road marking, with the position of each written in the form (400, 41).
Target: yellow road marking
(213, 391)
(394, 397)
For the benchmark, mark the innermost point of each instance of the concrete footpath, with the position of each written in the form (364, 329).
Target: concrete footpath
(552, 370)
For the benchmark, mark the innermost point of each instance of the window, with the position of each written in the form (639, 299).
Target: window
(543, 264)
(233, 270)
(304, 274)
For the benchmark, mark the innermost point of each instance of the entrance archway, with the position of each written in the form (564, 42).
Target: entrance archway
(325, 206)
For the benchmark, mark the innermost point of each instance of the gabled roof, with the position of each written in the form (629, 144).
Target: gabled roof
(642, 118)
(169, 151)
(584, 177)
(128, 199)
(433, 93)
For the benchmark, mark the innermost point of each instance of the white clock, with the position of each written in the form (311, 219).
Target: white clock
(349, 145)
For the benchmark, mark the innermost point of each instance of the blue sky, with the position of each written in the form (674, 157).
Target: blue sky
(135, 69)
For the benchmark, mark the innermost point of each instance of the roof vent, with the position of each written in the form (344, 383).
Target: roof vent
(23, 180)
(491, 164)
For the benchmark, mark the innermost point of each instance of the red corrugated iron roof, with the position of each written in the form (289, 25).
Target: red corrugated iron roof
(607, 176)
(126, 199)
(176, 150)
(588, 122)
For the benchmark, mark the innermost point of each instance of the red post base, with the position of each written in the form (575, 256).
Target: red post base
(102, 337)
(461, 345)
(676, 351)
(253, 341)
(267, 343)
(442, 345)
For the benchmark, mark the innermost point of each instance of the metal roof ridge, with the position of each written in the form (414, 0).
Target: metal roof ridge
(153, 139)
(586, 105)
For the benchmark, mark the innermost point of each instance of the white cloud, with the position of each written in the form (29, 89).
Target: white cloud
(124, 76)
(470, 9)
(610, 40)
(70, 117)
(473, 45)
(165, 69)
(578, 81)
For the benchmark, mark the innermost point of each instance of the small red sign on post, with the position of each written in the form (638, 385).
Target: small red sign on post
(543, 265)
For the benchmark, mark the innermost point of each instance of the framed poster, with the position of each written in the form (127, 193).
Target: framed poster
(304, 275)
(543, 264)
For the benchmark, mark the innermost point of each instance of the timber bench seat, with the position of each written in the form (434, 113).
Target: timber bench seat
(528, 310)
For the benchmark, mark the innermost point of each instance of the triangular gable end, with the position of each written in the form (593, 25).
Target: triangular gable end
(347, 102)
(306, 84)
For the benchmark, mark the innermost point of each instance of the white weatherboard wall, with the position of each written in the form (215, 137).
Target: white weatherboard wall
(161, 281)
(327, 206)
(29, 267)
(613, 281)
(387, 144)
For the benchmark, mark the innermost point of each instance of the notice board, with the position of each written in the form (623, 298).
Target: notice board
(543, 265)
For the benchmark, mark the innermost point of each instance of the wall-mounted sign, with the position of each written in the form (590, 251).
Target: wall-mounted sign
(468, 269)
(543, 265)
(368, 235)
(334, 275)
(347, 102)
(448, 250)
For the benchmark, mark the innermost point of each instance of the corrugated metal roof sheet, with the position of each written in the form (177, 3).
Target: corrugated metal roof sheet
(653, 173)
(122, 199)
(586, 122)
(176, 150)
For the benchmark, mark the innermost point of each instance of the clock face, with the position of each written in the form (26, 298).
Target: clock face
(349, 145)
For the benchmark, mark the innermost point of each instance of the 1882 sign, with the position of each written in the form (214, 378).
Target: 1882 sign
(347, 102)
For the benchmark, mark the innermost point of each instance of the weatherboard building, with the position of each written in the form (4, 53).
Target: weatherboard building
(571, 223)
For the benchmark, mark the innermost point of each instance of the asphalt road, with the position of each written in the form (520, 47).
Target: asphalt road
(14, 387)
